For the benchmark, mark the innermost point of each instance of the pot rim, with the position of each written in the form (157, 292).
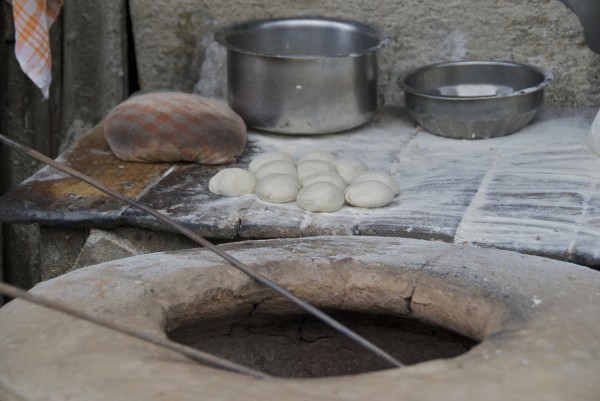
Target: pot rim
(221, 35)
(546, 75)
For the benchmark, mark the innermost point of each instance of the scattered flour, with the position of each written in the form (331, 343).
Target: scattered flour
(540, 182)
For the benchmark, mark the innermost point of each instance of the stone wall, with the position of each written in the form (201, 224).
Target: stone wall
(174, 44)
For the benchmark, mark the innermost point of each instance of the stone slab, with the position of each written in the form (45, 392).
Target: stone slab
(535, 191)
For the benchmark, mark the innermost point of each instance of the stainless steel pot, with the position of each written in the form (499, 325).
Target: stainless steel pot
(302, 75)
(474, 99)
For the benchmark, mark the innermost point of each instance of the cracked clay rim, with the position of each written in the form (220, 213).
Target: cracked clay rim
(534, 317)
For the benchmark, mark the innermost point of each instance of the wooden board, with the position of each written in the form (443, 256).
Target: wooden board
(536, 191)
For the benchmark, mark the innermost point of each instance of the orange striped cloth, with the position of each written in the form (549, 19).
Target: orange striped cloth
(32, 24)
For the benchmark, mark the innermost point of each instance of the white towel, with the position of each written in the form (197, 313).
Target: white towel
(33, 19)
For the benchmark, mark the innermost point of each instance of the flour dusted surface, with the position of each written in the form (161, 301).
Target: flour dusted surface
(535, 191)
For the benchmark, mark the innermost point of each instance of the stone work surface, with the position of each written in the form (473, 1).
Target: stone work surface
(174, 44)
(535, 318)
(536, 191)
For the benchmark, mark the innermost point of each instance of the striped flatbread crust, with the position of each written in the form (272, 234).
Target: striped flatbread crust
(173, 127)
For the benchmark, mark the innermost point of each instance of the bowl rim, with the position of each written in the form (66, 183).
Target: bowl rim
(532, 89)
(221, 34)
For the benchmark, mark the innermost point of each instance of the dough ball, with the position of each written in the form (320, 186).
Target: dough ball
(232, 182)
(277, 188)
(172, 127)
(268, 157)
(325, 176)
(378, 176)
(593, 139)
(369, 194)
(320, 197)
(317, 155)
(311, 167)
(349, 169)
(277, 166)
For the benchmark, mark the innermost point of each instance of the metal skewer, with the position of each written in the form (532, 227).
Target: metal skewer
(190, 352)
(207, 244)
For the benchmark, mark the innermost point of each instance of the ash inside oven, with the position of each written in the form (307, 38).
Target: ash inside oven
(300, 346)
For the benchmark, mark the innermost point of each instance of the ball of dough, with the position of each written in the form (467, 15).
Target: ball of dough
(369, 194)
(320, 197)
(378, 176)
(349, 169)
(311, 167)
(593, 139)
(232, 182)
(325, 176)
(277, 166)
(268, 157)
(277, 188)
(317, 155)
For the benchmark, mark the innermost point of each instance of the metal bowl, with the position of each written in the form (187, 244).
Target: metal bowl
(474, 99)
(302, 75)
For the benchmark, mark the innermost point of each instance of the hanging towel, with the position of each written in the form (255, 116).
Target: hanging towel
(32, 48)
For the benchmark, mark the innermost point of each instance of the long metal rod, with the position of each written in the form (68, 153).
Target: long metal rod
(207, 244)
(192, 353)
